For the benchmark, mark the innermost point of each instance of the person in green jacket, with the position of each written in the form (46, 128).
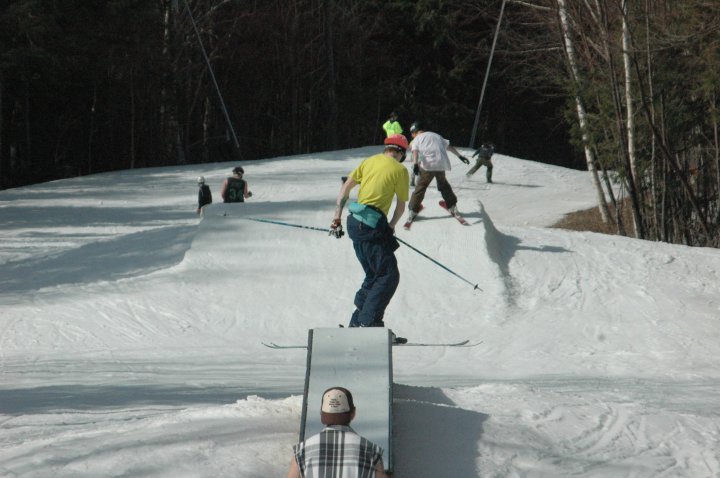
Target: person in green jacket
(235, 188)
(392, 126)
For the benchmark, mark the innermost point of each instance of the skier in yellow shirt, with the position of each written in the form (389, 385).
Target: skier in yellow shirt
(383, 180)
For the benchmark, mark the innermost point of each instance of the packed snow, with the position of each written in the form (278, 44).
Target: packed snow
(131, 329)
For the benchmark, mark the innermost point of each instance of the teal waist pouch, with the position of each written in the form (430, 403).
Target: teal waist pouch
(365, 214)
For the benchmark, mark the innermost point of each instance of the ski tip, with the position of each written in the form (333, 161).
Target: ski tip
(274, 346)
(462, 344)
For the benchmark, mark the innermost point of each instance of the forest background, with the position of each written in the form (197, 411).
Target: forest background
(627, 89)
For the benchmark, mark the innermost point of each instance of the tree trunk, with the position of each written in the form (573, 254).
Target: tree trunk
(630, 123)
(4, 182)
(629, 109)
(332, 83)
(617, 102)
(132, 119)
(582, 116)
(91, 131)
(169, 93)
(716, 141)
(28, 135)
(670, 160)
(206, 129)
(656, 234)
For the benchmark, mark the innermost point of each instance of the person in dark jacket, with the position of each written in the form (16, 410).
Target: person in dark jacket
(483, 157)
(204, 195)
(235, 188)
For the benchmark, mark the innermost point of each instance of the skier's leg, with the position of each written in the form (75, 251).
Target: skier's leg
(488, 176)
(445, 189)
(474, 169)
(359, 234)
(362, 293)
(418, 194)
(386, 275)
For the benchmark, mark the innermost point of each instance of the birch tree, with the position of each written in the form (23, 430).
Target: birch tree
(580, 107)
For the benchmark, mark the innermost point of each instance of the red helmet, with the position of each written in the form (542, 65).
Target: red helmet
(397, 140)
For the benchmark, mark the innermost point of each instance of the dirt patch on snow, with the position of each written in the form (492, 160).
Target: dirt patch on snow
(590, 220)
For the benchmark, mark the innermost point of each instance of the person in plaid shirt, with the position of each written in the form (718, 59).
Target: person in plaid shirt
(337, 450)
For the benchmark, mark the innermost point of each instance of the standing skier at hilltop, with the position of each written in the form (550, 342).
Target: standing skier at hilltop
(204, 194)
(392, 125)
(235, 188)
(381, 178)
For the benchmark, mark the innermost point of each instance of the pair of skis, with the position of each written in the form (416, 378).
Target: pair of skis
(464, 343)
(443, 205)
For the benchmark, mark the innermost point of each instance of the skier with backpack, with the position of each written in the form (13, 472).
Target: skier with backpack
(204, 194)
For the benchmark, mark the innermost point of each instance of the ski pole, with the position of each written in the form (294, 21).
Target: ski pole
(312, 228)
(281, 223)
(475, 286)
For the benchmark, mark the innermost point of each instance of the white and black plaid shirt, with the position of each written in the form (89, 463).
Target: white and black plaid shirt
(337, 451)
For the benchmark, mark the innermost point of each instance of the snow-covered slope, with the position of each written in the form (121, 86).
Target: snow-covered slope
(131, 329)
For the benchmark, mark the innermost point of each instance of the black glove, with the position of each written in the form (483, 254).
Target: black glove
(416, 169)
(464, 160)
(336, 229)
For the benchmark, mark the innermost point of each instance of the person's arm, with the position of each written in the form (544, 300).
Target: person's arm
(379, 470)
(454, 151)
(397, 214)
(246, 192)
(343, 197)
(294, 471)
(223, 189)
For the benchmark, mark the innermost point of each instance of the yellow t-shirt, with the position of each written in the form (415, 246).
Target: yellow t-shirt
(381, 178)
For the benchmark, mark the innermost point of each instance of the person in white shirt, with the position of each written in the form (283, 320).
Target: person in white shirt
(431, 161)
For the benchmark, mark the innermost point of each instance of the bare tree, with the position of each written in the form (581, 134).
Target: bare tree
(569, 47)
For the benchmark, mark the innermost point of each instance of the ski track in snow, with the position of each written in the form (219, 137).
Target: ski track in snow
(130, 332)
